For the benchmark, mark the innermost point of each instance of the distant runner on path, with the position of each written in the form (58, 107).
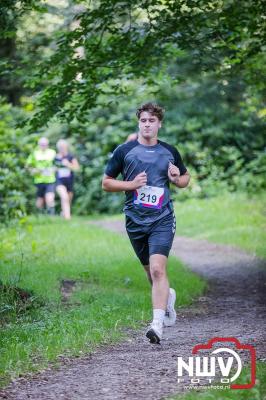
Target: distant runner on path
(40, 165)
(66, 164)
(147, 165)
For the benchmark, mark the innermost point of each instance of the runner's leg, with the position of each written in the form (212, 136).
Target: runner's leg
(70, 196)
(40, 192)
(40, 202)
(160, 284)
(65, 205)
(160, 291)
(49, 200)
(160, 242)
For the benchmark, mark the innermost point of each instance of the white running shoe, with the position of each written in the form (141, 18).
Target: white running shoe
(170, 314)
(155, 332)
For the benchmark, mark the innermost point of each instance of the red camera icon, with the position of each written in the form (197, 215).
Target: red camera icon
(238, 346)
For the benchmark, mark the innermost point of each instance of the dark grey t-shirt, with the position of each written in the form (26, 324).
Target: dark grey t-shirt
(152, 202)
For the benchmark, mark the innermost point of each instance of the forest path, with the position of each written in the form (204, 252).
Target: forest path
(134, 369)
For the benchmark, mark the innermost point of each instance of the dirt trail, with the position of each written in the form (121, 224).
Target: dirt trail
(234, 306)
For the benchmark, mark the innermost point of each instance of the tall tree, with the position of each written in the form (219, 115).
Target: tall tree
(111, 39)
(11, 12)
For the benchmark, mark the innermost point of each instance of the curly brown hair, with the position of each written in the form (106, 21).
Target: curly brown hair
(152, 108)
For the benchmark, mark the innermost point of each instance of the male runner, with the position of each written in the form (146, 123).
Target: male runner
(147, 165)
(40, 165)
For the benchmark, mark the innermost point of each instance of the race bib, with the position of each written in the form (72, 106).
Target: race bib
(149, 196)
(47, 172)
(64, 173)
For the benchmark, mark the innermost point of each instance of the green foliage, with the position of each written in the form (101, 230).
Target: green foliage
(114, 39)
(26, 36)
(15, 145)
(10, 12)
(218, 128)
(90, 64)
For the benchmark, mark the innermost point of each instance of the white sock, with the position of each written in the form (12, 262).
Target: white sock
(169, 297)
(158, 315)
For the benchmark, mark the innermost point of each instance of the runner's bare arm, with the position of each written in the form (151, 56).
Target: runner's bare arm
(110, 184)
(183, 180)
(178, 180)
(73, 164)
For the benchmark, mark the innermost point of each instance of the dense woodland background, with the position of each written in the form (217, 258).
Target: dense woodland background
(79, 69)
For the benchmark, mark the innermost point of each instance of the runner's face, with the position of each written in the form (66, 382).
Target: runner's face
(149, 125)
(43, 145)
(63, 149)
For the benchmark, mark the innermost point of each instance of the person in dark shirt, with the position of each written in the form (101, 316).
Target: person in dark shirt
(65, 164)
(147, 166)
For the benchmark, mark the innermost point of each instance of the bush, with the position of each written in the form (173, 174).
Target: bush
(15, 183)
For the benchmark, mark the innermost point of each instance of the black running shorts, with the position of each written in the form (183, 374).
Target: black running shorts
(156, 238)
(67, 182)
(43, 188)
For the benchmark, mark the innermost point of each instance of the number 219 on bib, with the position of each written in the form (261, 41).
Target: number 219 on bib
(149, 196)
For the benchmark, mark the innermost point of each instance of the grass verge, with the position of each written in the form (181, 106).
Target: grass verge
(235, 219)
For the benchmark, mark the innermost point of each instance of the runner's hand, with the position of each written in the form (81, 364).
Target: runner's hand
(173, 173)
(35, 171)
(66, 163)
(139, 181)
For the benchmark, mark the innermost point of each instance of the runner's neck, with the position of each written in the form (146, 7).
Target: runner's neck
(145, 142)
